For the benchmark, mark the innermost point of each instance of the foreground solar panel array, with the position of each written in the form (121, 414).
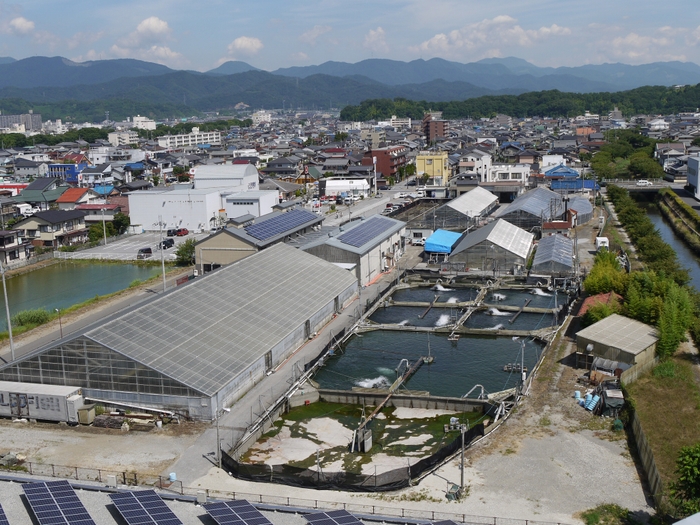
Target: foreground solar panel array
(3, 518)
(238, 512)
(144, 508)
(56, 503)
(333, 517)
(280, 224)
(366, 231)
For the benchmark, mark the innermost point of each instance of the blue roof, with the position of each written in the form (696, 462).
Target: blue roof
(442, 241)
(561, 171)
(573, 185)
(103, 190)
(134, 166)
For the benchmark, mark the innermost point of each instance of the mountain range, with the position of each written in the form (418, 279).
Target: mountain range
(50, 80)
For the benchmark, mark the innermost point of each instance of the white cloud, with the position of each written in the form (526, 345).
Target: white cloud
(160, 54)
(21, 26)
(638, 48)
(245, 45)
(300, 57)
(489, 34)
(151, 30)
(310, 36)
(375, 40)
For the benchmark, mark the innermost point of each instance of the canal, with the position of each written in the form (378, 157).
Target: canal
(67, 283)
(686, 257)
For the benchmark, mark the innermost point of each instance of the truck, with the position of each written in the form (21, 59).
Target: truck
(44, 402)
(601, 242)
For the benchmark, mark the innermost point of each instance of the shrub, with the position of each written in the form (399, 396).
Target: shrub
(31, 317)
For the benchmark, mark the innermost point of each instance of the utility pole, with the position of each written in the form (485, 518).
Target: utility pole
(7, 312)
(162, 249)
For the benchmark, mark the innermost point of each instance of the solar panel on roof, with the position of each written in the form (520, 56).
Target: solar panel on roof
(238, 512)
(366, 231)
(3, 518)
(279, 224)
(333, 517)
(144, 507)
(56, 503)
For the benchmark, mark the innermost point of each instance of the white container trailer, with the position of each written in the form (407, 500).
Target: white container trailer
(35, 401)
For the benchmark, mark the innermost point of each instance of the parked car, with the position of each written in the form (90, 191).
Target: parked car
(387, 211)
(412, 183)
(144, 253)
(167, 243)
(384, 188)
(172, 232)
(418, 242)
(181, 232)
(402, 195)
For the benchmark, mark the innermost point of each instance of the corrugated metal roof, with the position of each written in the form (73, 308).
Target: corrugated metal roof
(502, 234)
(473, 202)
(621, 332)
(539, 202)
(554, 253)
(206, 333)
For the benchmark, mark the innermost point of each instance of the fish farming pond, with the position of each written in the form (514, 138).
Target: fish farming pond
(371, 359)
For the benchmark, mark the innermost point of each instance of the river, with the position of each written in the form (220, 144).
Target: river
(686, 257)
(67, 283)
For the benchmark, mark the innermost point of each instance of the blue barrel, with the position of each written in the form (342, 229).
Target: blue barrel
(173, 477)
(588, 398)
(577, 394)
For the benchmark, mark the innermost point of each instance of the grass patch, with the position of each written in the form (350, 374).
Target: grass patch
(667, 401)
(545, 421)
(607, 514)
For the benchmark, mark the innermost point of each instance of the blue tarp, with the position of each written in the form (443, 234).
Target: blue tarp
(103, 190)
(441, 241)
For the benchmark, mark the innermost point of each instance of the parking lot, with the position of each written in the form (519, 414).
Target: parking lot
(126, 249)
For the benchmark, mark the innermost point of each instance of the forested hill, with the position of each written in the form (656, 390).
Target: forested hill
(644, 100)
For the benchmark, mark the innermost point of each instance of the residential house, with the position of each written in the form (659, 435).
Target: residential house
(42, 192)
(12, 248)
(73, 197)
(95, 213)
(29, 169)
(54, 228)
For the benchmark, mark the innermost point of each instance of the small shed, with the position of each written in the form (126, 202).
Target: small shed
(617, 338)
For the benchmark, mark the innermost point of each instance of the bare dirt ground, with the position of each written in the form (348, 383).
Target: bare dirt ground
(148, 453)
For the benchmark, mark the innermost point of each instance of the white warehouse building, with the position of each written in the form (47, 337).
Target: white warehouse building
(230, 189)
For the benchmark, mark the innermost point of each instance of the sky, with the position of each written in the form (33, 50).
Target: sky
(274, 34)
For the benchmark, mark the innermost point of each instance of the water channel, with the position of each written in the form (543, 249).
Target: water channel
(67, 283)
(686, 257)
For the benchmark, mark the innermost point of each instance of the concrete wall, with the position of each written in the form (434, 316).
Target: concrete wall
(397, 400)
(178, 209)
(646, 456)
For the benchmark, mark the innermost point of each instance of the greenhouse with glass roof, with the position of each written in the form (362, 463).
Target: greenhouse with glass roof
(202, 345)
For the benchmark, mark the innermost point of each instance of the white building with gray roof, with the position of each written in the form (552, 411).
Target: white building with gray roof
(201, 345)
(372, 245)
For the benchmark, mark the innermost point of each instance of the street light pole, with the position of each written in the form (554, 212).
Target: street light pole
(60, 323)
(7, 312)
(218, 439)
(104, 226)
(463, 428)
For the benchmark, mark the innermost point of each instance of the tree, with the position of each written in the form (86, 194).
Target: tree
(178, 170)
(156, 179)
(685, 491)
(121, 223)
(185, 253)
(96, 231)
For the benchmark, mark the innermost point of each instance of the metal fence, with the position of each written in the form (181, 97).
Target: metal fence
(392, 514)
